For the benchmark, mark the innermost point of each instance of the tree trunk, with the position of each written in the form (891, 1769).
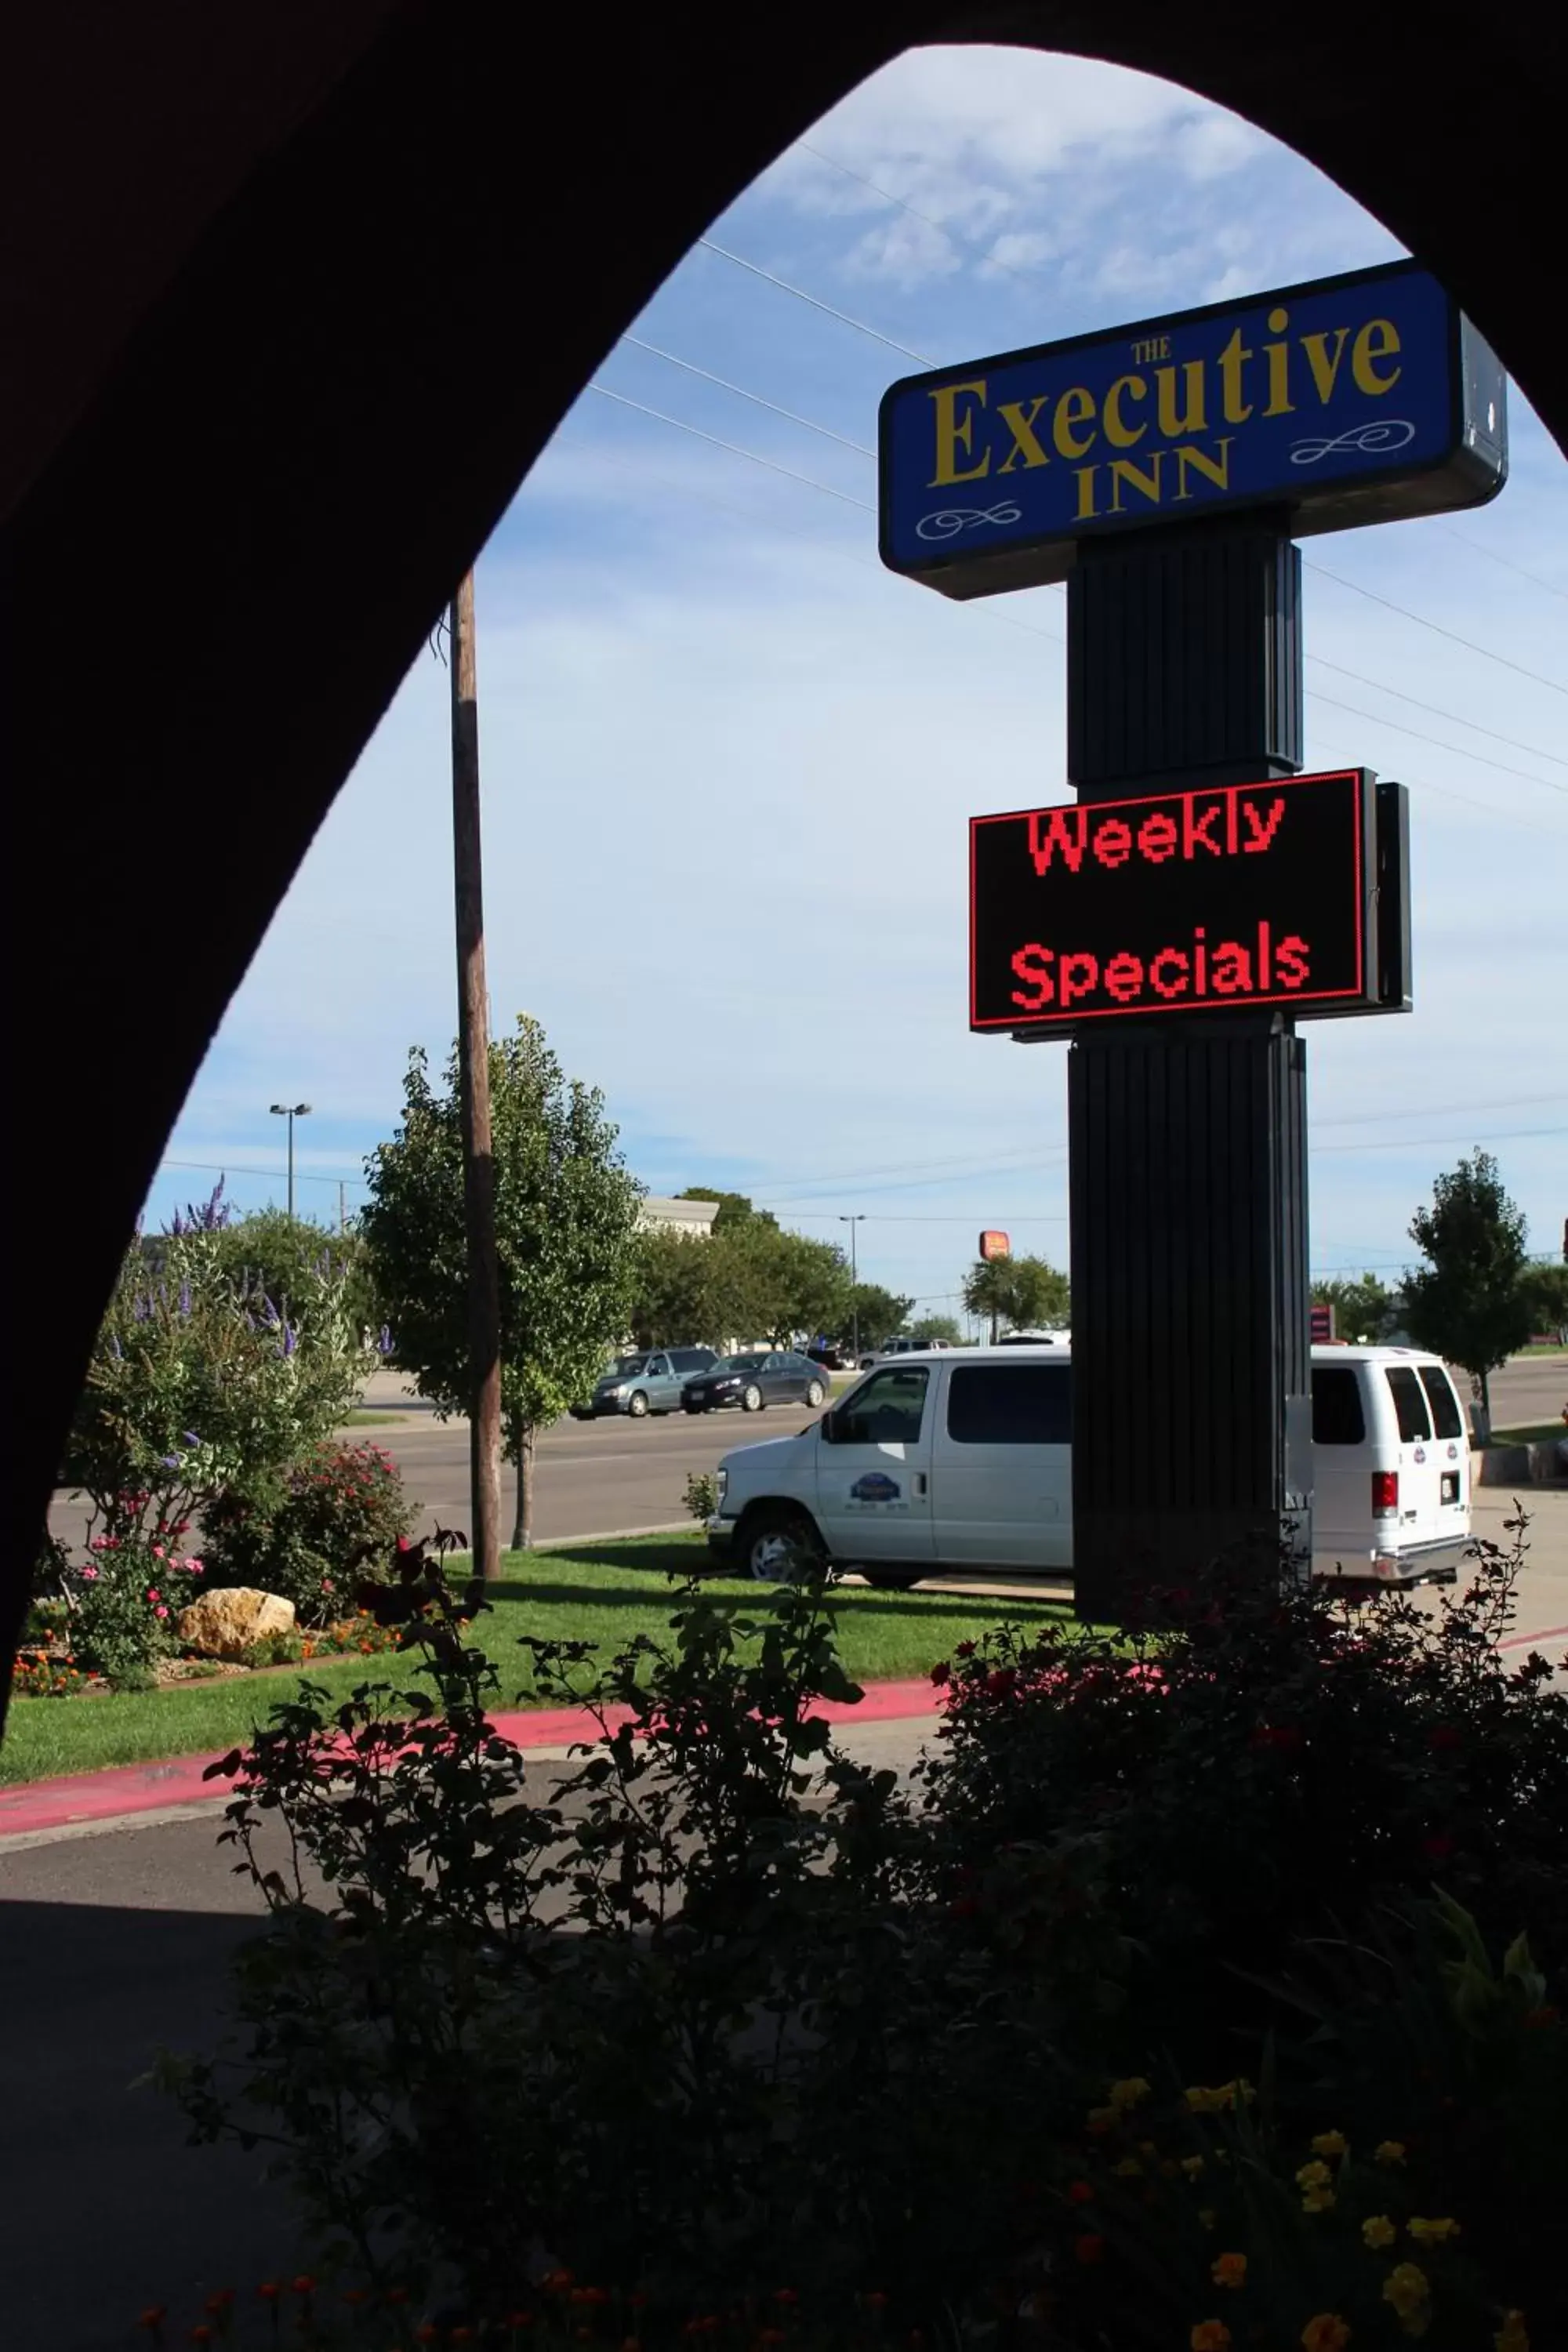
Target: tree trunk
(523, 1436)
(1484, 1409)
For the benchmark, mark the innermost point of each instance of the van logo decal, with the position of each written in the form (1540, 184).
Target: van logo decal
(1421, 1454)
(875, 1486)
(1453, 1453)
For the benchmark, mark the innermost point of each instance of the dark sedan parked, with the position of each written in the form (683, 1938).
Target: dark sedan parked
(754, 1380)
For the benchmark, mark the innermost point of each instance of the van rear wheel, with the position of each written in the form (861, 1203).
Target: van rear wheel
(779, 1545)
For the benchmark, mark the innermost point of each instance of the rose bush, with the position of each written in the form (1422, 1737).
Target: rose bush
(314, 1534)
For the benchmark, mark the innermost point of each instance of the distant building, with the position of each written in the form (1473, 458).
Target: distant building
(659, 1215)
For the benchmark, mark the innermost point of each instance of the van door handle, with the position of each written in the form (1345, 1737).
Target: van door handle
(919, 1481)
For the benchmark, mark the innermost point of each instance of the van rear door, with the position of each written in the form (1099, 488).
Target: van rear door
(1451, 1446)
(1421, 1461)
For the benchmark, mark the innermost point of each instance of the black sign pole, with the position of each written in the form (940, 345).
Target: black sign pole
(1192, 1418)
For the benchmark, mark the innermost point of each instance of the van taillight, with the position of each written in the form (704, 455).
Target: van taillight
(1385, 1493)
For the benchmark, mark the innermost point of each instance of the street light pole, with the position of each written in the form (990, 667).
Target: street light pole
(290, 1111)
(858, 1218)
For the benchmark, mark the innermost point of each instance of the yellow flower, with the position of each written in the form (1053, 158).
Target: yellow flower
(1192, 2166)
(1230, 2270)
(1239, 2094)
(1511, 2336)
(1408, 2289)
(1315, 2174)
(1431, 2233)
(1316, 2200)
(1130, 2092)
(1329, 2143)
(1325, 2333)
(1102, 2119)
(1129, 2168)
(1389, 2151)
(1379, 2230)
(1210, 2336)
(1204, 2103)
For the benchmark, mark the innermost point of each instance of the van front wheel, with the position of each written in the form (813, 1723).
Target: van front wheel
(779, 1545)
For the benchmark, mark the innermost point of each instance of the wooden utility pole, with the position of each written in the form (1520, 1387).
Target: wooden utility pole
(474, 1074)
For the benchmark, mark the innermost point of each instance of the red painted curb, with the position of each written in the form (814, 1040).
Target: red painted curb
(122, 1790)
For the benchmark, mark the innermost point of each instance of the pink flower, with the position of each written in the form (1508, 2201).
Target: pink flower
(160, 1612)
(90, 1575)
(98, 1543)
(193, 1566)
(157, 1551)
(153, 1593)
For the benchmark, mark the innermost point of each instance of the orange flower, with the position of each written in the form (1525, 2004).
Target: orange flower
(304, 2285)
(1089, 2247)
(1210, 2336)
(154, 2316)
(1325, 2333)
(1230, 2270)
(269, 2289)
(1080, 2193)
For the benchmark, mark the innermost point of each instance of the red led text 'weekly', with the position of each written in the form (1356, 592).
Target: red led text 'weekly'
(1186, 901)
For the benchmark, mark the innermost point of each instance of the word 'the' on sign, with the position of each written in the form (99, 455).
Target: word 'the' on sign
(1358, 399)
(994, 1245)
(1181, 902)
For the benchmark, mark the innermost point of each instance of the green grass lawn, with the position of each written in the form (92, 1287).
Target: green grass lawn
(1532, 1433)
(374, 1420)
(600, 1592)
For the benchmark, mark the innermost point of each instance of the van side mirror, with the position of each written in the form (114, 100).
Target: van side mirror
(824, 1427)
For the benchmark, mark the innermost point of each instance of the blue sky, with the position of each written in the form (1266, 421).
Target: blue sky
(727, 760)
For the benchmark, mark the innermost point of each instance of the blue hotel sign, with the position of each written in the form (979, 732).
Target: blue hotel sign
(1352, 400)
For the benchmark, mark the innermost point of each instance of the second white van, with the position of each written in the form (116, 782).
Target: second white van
(962, 1462)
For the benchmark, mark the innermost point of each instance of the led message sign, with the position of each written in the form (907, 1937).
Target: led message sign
(1351, 400)
(1182, 902)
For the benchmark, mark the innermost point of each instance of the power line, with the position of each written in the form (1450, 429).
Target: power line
(734, 449)
(691, 368)
(1457, 718)
(1478, 758)
(810, 424)
(861, 327)
(1436, 626)
(827, 309)
(232, 1168)
(1508, 564)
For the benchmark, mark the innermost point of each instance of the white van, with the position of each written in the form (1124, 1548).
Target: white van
(963, 1461)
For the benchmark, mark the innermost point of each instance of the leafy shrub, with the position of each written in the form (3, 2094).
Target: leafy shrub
(1259, 1765)
(718, 2005)
(125, 1601)
(196, 1382)
(311, 1535)
(701, 1496)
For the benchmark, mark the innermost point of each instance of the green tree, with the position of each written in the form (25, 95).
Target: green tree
(1467, 1304)
(1545, 1290)
(946, 1328)
(1364, 1310)
(671, 1290)
(876, 1314)
(733, 1209)
(566, 1217)
(1024, 1293)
